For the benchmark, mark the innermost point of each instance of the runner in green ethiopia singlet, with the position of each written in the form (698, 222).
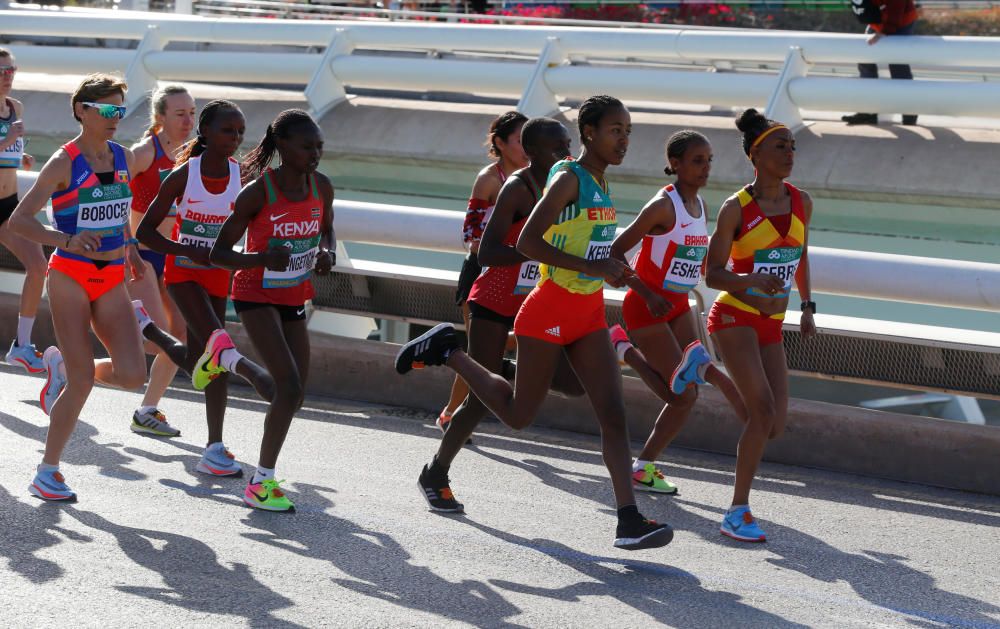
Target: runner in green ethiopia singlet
(584, 229)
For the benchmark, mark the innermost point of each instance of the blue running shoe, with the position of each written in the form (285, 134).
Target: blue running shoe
(690, 370)
(50, 485)
(55, 382)
(218, 461)
(740, 525)
(26, 356)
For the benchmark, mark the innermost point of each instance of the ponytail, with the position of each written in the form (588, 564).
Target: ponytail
(257, 160)
(191, 148)
(287, 123)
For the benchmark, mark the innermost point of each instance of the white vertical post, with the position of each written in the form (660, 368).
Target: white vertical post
(185, 7)
(538, 99)
(141, 81)
(780, 106)
(324, 89)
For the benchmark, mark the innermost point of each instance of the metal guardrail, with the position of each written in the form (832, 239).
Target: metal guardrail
(567, 62)
(851, 349)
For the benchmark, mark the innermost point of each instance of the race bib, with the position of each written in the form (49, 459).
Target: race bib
(104, 209)
(527, 277)
(684, 271)
(10, 157)
(599, 246)
(780, 261)
(303, 258)
(196, 234)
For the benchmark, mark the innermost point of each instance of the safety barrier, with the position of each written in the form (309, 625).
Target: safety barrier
(852, 349)
(554, 63)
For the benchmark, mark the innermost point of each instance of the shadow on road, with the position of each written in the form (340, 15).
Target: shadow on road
(194, 578)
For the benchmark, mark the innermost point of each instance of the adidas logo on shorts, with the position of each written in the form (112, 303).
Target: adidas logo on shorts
(554, 331)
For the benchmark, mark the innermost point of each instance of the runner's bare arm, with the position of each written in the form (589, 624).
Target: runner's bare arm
(148, 232)
(327, 256)
(248, 204)
(144, 152)
(492, 252)
(803, 281)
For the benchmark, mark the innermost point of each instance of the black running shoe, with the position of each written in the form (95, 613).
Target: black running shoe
(636, 534)
(430, 348)
(434, 487)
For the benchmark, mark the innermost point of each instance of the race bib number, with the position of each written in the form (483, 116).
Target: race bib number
(10, 157)
(104, 209)
(684, 271)
(527, 277)
(599, 246)
(197, 234)
(780, 261)
(303, 258)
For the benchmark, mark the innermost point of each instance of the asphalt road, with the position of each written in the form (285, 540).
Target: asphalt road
(151, 543)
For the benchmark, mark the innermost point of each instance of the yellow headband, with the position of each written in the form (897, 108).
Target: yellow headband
(760, 138)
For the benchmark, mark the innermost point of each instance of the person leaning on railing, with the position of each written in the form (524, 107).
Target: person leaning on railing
(884, 18)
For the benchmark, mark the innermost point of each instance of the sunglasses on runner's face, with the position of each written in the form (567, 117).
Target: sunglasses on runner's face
(8, 70)
(107, 110)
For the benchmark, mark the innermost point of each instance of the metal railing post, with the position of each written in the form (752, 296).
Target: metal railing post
(141, 81)
(538, 99)
(325, 90)
(780, 106)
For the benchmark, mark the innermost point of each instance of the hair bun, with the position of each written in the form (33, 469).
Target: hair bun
(750, 119)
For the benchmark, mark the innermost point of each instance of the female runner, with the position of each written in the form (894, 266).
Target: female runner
(287, 216)
(172, 116)
(205, 185)
(674, 234)
(504, 140)
(497, 295)
(759, 246)
(88, 182)
(12, 156)
(570, 231)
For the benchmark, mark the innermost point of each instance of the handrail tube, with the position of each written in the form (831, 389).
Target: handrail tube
(661, 85)
(68, 60)
(685, 44)
(948, 98)
(238, 67)
(490, 77)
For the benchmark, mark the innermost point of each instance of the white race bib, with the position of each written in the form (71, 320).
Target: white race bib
(780, 261)
(684, 271)
(527, 277)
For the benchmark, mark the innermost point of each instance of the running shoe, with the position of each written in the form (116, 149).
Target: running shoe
(689, 370)
(51, 485)
(267, 495)
(26, 356)
(652, 480)
(430, 348)
(640, 533)
(209, 366)
(619, 336)
(55, 382)
(153, 423)
(218, 461)
(740, 525)
(433, 483)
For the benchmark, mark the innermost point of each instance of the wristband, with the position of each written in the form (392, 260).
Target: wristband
(132, 241)
(810, 305)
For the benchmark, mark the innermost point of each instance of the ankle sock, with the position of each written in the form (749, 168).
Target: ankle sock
(45, 467)
(24, 325)
(629, 512)
(262, 474)
(639, 465)
(229, 359)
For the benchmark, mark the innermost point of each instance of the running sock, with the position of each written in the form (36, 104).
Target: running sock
(629, 512)
(45, 467)
(735, 507)
(141, 316)
(262, 474)
(229, 358)
(437, 465)
(218, 445)
(620, 348)
(24, 325)
(639, 464)
(703, 369)
(146, 409)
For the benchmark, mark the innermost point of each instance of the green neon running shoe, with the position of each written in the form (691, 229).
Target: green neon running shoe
(267, 495)
(209, 366)
(651, 479)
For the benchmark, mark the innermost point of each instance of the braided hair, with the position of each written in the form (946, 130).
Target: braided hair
(284, 126)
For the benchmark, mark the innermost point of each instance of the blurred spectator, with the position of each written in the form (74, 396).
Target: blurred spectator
(897, 17)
